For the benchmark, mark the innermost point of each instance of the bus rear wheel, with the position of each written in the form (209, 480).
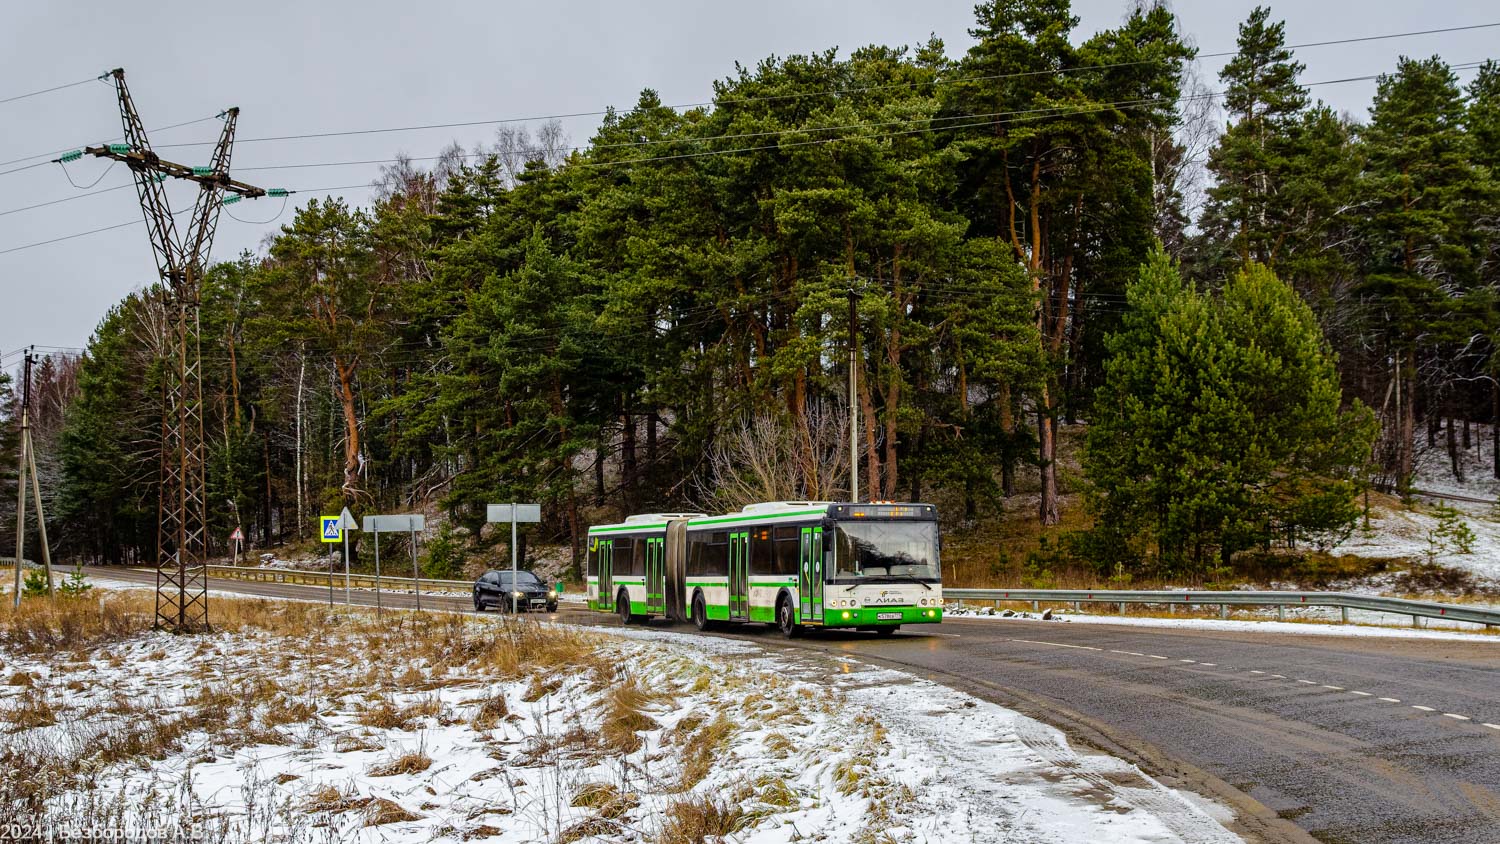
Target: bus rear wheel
(786, 619)
(699, 613)
(622, 605)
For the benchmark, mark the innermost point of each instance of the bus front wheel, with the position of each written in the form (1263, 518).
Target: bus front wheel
(786, 619)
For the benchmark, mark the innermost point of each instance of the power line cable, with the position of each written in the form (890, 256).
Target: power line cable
(1013, 117)
(115, 138)
(90, 185)
(825, 92)
(742, 100)
(48, 90)
(66, 199)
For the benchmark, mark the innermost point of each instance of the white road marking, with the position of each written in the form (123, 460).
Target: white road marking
(1056, 644)
(1452, 715)
(1493, 726)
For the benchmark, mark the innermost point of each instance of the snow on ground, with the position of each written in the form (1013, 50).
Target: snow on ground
(1412, 533)
(427, 728)
(1434, 469)
(1363, 623)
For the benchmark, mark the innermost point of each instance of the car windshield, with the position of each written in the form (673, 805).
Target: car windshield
(523, 579)
(886, 549)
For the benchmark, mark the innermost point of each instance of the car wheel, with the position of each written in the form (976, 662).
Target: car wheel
(552, 608)
(478, 603)
(700, 612)
(887, 631)
(786, 619)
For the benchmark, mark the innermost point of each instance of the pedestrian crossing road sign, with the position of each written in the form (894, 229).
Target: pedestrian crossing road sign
(331, 532)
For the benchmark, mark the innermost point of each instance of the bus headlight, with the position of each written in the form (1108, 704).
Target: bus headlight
(846, 615)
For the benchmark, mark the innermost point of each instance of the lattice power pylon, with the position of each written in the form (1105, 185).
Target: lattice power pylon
(182, 534)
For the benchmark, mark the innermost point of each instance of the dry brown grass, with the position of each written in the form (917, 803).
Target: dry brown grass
(606, 799)
(624, 718)
(31, 710)
(696, 820)
(414, 762)
(597, 827)
(72, 624)
(488, 712)
(702, 750)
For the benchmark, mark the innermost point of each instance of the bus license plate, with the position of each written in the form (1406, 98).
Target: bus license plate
(888, 616)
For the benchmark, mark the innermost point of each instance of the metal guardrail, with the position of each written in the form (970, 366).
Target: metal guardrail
(324, 578)
(10, 562)
(1344, 601)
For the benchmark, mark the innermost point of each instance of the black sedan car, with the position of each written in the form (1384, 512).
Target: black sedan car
(525, 592)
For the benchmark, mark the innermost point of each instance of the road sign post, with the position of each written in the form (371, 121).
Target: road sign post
(237, 537)
(513, 513)
(328, 531)
(346, 524)
(411, 523)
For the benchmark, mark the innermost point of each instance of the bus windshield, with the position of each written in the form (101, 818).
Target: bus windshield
(873, 549)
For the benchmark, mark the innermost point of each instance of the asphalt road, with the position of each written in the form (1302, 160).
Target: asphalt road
(1343, 739)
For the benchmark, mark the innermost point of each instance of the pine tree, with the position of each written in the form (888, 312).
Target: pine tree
(1219, 426)
(1420, 252)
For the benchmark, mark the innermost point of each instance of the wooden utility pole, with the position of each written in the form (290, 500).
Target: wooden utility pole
(27, 462)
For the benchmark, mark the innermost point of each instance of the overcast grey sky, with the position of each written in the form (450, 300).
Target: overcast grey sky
(299, 67)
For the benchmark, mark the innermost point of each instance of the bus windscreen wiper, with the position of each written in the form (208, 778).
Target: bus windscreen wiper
(914, 579)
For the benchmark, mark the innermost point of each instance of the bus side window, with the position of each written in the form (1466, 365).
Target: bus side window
(788, 550)
(638, 556)
(762, 552)
(591, 562)
(716, 554)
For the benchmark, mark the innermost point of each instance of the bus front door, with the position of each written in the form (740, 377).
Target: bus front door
(811, 579)
(606, 581)
(656, 576)
(739, 578)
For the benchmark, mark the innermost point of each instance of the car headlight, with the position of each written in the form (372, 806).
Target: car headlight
(552, 593)
(519, 594)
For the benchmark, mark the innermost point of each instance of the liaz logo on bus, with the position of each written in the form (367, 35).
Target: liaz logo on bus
(886, 597)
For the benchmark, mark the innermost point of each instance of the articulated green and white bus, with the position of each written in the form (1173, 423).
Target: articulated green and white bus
(794, 564)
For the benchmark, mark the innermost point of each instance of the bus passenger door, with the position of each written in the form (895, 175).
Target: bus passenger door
(606, 581)
(811, 576)
(739, 579)
(656, 559)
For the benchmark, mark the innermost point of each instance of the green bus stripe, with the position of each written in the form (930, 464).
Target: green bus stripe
(645, 527)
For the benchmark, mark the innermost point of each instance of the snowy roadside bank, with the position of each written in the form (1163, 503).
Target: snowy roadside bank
(298, 723)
